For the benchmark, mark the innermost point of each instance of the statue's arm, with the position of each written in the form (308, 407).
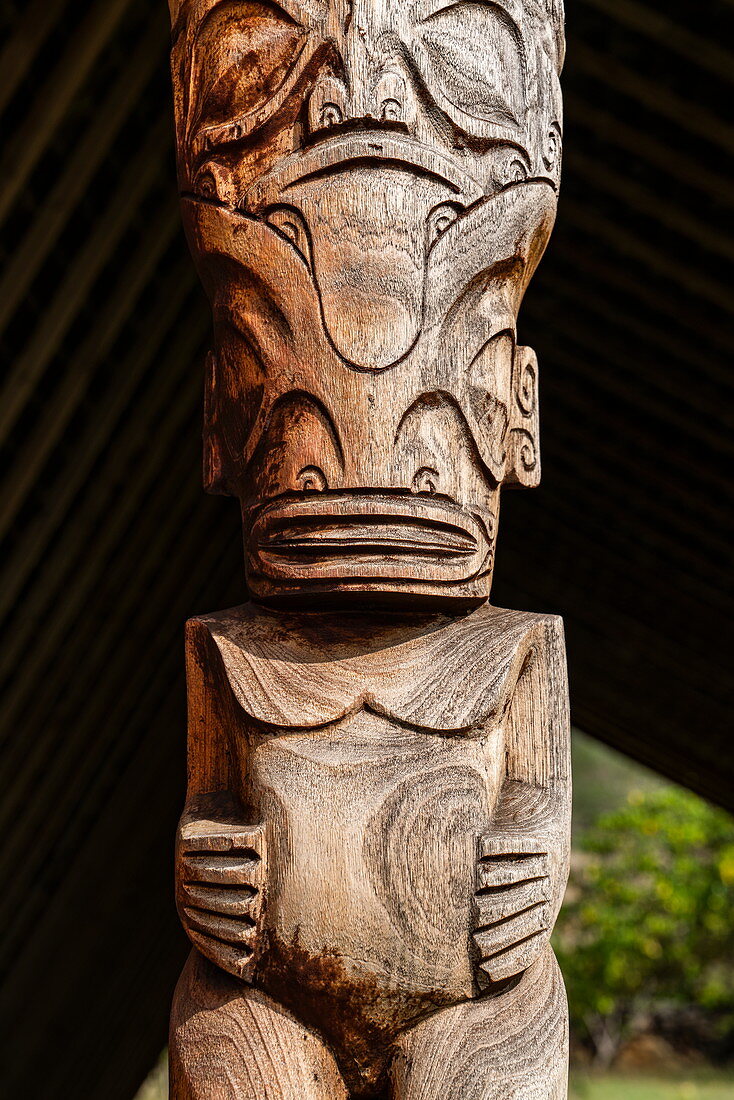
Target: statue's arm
(523, 859)
(220, 858)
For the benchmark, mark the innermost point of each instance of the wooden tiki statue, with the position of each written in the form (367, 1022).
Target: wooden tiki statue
(375, 841)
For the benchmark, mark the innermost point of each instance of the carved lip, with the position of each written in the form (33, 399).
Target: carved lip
(374, 534)
(316, 536)
(335, 154)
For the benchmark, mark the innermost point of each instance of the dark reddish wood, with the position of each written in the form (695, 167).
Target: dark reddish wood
(367, 191)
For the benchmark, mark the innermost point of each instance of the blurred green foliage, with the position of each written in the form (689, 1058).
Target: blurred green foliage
(602, 780)
(647, 924)
(702, 1086)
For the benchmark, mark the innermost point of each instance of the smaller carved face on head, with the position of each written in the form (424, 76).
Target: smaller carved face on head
(368, 188)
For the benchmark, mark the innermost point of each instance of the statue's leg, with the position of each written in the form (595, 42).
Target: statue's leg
(231, 1042)
(512, 1046)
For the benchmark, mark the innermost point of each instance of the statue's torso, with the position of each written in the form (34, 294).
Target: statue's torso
(374, 778)
(371, 830)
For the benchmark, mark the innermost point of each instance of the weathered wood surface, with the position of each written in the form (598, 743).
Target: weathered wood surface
(375, 841)
(376, 830)
(367, 190)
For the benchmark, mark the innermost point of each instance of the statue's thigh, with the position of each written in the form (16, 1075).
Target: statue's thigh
(513, 1046)
(231, 1042)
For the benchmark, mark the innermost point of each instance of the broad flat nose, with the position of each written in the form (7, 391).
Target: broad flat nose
(386, 99)
(368, 81)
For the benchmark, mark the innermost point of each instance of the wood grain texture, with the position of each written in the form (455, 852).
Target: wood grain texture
(512, 1047)
(377, 822)
(376, 828)
(106, 531)
(367, 191)
(226, 1042)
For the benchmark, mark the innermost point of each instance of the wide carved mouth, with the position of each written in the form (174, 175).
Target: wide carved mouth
(398, 537)
(344, 151)
(315, 535)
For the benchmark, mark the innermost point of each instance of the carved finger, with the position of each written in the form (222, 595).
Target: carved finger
(499, 871)
(514, 959)
(497, 939)
(509, 846)
(236, 960)
(229, 901)
(499, 904)
(240, 932)
(232, 869)
(204, 835)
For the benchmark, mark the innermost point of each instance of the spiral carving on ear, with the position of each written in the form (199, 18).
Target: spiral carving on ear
(523, 460)
(523, 452)
(526, 381)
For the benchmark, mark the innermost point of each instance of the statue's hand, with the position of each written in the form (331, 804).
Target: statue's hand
(220, 872)
(513, 913)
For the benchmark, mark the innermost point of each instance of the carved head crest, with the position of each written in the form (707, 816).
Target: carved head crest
(368, 187)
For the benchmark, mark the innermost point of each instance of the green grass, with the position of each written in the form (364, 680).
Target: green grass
(693, 1086)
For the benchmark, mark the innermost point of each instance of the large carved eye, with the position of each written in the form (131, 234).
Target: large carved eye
(476, 58)
(243, 54)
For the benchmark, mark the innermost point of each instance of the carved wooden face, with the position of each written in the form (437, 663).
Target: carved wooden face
(368, 187)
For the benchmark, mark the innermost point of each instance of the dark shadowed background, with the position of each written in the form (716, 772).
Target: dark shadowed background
(110, 543)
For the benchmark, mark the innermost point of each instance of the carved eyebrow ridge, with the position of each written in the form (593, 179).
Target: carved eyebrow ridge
(489, 5)
(278, 8)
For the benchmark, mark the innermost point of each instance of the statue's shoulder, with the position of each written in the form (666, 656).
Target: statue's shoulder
(443, 673)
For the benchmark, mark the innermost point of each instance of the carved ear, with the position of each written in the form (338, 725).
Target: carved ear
(523, 447)
(214, 479)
